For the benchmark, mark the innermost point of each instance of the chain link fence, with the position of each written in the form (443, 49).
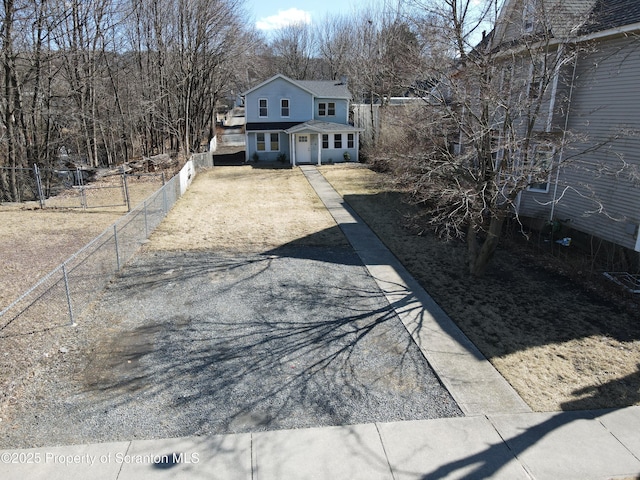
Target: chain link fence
(72, 188)
(64, 293)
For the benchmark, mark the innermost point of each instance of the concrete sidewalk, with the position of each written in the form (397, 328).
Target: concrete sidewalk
(568, 445)
(499, 437)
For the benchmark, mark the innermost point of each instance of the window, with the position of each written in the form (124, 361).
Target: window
(535, 87)
(528, 15)
(284, 107)
(273, 144)
(337, 140)
(541, 164)
(261, 145)
(350, 140)
(303, 139)
(263, 110)
(325, 141)
(327, 109)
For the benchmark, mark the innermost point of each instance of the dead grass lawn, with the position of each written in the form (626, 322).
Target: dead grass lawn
(34, 241)
(242, 209)
(561, 346)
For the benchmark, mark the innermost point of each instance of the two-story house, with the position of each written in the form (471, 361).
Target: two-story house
(299, 121)
(591, 110)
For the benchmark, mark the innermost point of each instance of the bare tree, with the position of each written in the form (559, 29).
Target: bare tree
(335, 45)
(294, 50)
(486, 116)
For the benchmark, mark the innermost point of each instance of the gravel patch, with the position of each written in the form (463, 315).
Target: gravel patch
(195, 343)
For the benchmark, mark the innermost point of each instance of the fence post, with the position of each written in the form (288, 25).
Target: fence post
(36, 172)
(126, 189)
(68, 292)
(83, 198)
(115, 238)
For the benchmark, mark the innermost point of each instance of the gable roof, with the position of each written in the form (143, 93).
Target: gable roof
(317, 88)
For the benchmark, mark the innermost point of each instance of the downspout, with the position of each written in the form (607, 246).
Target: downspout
(564, 136)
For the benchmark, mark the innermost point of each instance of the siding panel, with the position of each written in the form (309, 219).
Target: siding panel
(604, 109)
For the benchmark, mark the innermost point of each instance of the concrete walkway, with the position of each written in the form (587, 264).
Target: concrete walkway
(472, 381)
(498, 438)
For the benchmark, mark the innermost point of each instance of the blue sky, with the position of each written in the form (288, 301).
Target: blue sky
(273, 14)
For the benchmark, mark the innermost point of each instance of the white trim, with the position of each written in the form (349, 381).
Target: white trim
(555, 42)
(610, 32)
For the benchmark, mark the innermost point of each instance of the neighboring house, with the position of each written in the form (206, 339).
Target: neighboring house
(300, 122)
(596, 99)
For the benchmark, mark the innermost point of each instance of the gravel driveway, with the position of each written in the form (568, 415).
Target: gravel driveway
(189, 343)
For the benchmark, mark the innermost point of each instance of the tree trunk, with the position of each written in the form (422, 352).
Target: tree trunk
(480, 255)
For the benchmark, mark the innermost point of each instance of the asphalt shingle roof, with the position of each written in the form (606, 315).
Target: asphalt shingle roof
(608, 14)
(325, 88)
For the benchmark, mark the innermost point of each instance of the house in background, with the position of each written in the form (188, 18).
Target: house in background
(596, 99)
(300, 122)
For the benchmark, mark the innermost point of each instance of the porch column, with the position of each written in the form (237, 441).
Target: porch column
(292, 148)
(319, 149)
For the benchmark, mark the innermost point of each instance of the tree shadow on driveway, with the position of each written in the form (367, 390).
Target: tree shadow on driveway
(204, 343)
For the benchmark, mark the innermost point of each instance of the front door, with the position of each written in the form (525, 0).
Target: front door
(303, 149)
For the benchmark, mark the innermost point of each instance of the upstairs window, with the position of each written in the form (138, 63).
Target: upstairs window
(263, 110)
(327, 109)
(528, 15)
(284, 107)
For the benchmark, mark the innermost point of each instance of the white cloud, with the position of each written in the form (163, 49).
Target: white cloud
(284, 18)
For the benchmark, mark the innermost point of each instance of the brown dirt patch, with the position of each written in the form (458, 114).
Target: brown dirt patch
(559, 344)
